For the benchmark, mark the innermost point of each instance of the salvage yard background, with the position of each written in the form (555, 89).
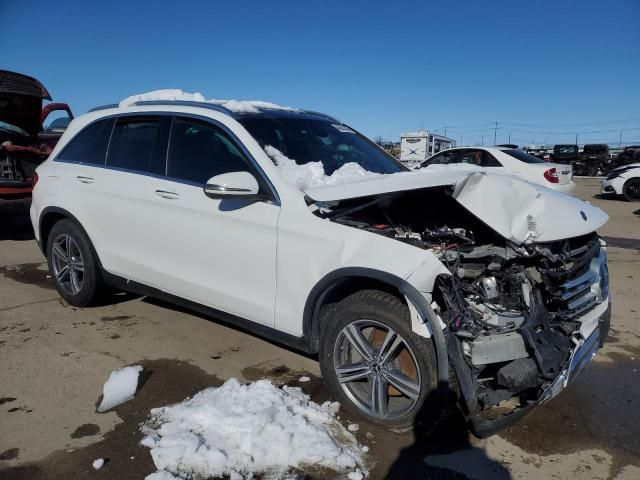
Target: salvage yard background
(54, 360)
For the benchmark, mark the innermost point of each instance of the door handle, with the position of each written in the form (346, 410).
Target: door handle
(167, 194)
(83, 179)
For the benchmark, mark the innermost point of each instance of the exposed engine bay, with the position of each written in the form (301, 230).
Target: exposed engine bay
(511, 311)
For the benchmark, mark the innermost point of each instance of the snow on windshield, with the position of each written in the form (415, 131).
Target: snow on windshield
(242, 430)
(237, 106)
(311, 174)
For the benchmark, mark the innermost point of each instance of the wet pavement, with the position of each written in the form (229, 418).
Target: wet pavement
(54, 359)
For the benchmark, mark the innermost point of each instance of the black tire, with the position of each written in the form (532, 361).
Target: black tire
(631, 190)
(92, 285)
(592, 171)
(388, 310)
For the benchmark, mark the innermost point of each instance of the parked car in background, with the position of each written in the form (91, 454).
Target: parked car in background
(630, 154)
(625, 181)
(593, 158)
(564, 154)
(28, 131)
(394, 279)
(506, 161)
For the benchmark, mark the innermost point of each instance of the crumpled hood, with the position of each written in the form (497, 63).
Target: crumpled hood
(524, 212)
(520, 211)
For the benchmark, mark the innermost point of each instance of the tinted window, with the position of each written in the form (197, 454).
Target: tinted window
(523, 156)
(90, 145)
(199, 150)
(443, 158)
(488, 160)
(139, 144)
(311, 140)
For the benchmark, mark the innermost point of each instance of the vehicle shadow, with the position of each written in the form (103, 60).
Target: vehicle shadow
(443, 450)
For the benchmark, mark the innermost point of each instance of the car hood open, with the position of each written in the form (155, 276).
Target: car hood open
(518, 210)
(21, 101)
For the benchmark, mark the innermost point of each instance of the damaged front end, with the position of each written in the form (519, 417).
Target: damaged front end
(520, 319)
(521, 322)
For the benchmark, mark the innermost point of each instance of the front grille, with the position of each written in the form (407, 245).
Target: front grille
(577, 294)
(577, 283)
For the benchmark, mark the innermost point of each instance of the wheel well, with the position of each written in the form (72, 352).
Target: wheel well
(336, 291)
(46, 223)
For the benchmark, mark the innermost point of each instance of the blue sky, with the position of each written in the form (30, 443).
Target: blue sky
(542, 69)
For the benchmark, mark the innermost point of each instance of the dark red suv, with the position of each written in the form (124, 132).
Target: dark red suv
(28, 131)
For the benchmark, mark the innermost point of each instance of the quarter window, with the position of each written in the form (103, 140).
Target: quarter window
(139, 144)
(90, 145)
(199, 150)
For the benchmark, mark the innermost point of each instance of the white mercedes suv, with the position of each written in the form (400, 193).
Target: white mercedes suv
(295, 227)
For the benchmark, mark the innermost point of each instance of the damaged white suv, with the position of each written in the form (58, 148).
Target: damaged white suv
(297, 228)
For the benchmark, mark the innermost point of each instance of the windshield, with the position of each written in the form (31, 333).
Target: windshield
(309, 140)
(565, 149)
(523, 156)
(595, 149)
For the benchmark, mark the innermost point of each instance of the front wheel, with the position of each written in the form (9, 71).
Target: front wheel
(374, 364)
(631, 190)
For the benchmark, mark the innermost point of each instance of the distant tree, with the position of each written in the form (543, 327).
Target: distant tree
(379, 140)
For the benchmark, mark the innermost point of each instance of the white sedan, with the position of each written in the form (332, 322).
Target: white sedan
(624, 181)
(505, 160)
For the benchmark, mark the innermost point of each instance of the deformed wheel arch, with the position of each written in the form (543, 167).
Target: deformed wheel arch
(322, 291)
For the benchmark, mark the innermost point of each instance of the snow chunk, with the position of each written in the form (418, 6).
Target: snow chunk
(311, 174)
(357, 475)
(304, 379)
(160, 475)
(237, 106)
(120, 387)
(353, 427)
(248, 429)
(98, 463)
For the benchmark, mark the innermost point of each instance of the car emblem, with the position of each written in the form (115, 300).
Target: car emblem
(583, 215)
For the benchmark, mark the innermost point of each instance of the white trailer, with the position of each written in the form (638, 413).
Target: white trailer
(415, 147)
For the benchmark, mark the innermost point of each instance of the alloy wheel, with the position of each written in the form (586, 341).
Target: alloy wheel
(377, 369)
(67, 263)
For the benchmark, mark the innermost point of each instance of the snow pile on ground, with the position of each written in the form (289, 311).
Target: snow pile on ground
(311, 175)
(237, 106)
(241, 430)
(120, 387)
(98, 463)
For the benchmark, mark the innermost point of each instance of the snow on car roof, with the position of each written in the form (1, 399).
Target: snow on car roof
(176, 94)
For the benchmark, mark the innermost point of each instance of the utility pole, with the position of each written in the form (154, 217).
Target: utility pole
(445, 131)
(482, 144)
(576, 139)
(509, 138)
(620, 140)
(495, 131)
(460, 139)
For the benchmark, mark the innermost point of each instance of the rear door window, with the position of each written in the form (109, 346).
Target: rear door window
(89, 147)
(139, 144)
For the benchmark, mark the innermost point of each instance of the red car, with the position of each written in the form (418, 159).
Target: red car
(28, 131)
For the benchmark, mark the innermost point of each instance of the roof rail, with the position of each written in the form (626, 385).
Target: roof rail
(104, 107)
(320, 114)
(186, 103)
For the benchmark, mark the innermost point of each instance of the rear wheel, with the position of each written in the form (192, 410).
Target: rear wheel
(374, 364)
(73, 264)
(592, 171)
(631, 190)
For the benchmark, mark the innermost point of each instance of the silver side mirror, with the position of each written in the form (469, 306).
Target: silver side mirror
(239, 185)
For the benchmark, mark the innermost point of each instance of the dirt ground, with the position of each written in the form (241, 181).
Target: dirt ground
(54, 360)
